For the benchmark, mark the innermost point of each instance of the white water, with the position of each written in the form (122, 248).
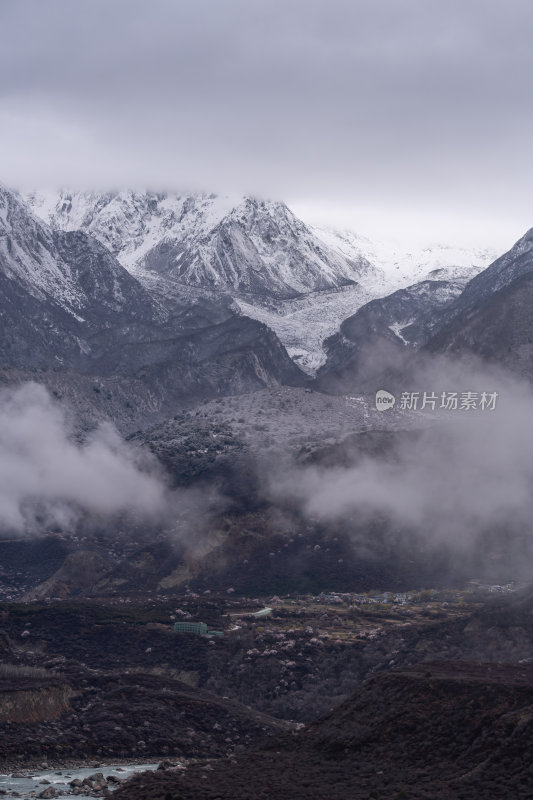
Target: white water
(30, 785)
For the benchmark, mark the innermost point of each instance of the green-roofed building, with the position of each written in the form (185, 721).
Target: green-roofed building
(199, 628)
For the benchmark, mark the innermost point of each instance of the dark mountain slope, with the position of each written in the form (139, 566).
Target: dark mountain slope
(518, 261)
(498, 328)
(441, 731)
(382, 333)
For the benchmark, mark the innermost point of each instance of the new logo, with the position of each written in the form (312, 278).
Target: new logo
(384, 400)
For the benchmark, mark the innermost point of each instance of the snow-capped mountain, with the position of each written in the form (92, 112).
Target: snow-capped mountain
(305, 323)
(301, 281)
(382, 330)
(30, 258)
(502, 272)
(131, 224)
(239, 245)
(58, 289)
(272, 264)
(492, 317)
(402, 267)
(66, 303)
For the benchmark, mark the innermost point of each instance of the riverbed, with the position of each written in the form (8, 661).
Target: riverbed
(31, 784)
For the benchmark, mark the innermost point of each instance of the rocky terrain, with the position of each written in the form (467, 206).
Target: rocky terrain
(92, 697)
(442, 684)
(24, 563)
(113, 716)
(301, 660)
(437, 731)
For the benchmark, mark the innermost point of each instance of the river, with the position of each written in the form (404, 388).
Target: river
(30, 785)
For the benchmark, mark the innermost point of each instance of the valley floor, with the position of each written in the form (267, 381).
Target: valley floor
(421, 694)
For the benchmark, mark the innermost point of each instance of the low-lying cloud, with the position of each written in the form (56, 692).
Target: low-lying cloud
(46, 477)
(461, 477)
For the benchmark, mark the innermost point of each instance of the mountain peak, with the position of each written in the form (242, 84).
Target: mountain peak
(246, 245)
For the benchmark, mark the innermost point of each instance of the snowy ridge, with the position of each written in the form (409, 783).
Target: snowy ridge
(225, 243)
(69, 270)
(513, 264)
(260, 248)
(302, 281)
(29, 257)
(129, 223)
(189, 227)
(401, 267)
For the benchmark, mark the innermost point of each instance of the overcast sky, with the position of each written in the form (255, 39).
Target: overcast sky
(411, 118)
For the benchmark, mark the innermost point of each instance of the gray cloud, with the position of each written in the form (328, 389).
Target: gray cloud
(46, 476)
(462, 479)
(402, 104)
